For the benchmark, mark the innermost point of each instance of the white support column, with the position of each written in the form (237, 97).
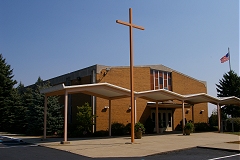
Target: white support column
(65, 119)
(183, 117)
(135, 109)
(219, 117)
(45, 118)
(193, 113)
(110, 117)
(156, 119)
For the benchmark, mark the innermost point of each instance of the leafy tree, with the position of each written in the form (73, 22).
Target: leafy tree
(84, 118)
(229, 85)
(6, 94)
(213, 119)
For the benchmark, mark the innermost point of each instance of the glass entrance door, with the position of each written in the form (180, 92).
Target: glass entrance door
(164, 119)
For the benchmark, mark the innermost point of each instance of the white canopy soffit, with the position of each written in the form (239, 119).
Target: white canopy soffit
(159, 95)
(162, 95)
(102, 90)
(110, 92)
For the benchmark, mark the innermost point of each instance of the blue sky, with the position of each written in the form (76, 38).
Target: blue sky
(49, 38)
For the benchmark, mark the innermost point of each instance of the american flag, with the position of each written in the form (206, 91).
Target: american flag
(225, 58)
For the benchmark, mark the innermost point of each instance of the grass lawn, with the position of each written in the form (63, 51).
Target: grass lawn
(236, 133)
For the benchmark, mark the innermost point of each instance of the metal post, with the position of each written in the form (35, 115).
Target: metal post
(219, 118)
(135, 110)
(156, 119)
(183, 117)
(65, 118)
(193, 113)
(45, 118)
(110, 118)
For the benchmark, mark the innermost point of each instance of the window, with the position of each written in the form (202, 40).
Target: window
(161, 80)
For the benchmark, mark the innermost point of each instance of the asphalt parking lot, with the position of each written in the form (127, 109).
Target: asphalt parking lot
(21, 149)
(26, 152)
(16, 149)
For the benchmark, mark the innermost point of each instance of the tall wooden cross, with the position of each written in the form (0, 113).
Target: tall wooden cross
(131, 26)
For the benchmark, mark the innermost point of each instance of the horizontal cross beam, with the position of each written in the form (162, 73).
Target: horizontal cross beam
(129, 24)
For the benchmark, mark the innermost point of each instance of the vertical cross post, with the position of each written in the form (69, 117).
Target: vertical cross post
(131, 68)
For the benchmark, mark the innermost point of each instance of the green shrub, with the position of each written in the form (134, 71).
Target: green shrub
(100, 133)
(213, 120)
(236, 124)
(139, 127)
(118, 129)
(202, 127)
(128, 128)
(149, 125)
(189, 126)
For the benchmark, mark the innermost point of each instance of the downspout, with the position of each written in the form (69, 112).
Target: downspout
(93, 102)
(183, 117)
(219, 118)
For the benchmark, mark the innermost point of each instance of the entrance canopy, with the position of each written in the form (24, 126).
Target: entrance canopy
(102, 90)
(110, 92)
(162, 95)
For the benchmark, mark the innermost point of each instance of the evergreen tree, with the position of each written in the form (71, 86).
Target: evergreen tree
(229, 85)
(35, 113)
(54, 116)
(6, 95)
(19, 111)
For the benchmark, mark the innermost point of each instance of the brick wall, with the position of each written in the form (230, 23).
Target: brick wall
(120, 112)
(186, 85)
(121, 77)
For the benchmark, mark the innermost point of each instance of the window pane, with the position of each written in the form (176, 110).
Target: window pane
(153, 118)
(169, 120)
(161, 86)
(169, 82)
(165, 83)
(164, 119)
(160, 80)
(169, 88)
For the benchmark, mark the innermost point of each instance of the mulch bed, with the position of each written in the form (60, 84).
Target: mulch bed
(236, 142)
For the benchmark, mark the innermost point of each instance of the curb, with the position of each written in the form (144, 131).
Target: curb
(222, 149)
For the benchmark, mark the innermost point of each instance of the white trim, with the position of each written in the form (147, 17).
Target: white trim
(225, 156)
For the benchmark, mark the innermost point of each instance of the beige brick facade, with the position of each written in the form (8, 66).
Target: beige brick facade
(186, 85)
(120, 76)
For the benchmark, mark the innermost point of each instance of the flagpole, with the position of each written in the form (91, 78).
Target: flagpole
(229, 58)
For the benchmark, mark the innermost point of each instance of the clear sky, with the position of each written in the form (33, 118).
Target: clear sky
(49, 38)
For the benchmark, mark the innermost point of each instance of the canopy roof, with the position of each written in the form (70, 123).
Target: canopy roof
(161, 95)
(103, 90)
(110, 92)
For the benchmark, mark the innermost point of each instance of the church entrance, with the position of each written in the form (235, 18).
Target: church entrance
(165, 119)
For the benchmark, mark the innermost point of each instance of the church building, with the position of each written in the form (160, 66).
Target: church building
(146, 77)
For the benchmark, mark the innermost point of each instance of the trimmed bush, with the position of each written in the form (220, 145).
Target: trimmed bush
(128, 128)
(202, 127)
(100, 133)
(149, 125)
(118, 129)
(139, 127)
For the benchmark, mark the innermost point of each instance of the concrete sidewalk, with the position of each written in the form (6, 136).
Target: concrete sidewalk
(148, 145)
